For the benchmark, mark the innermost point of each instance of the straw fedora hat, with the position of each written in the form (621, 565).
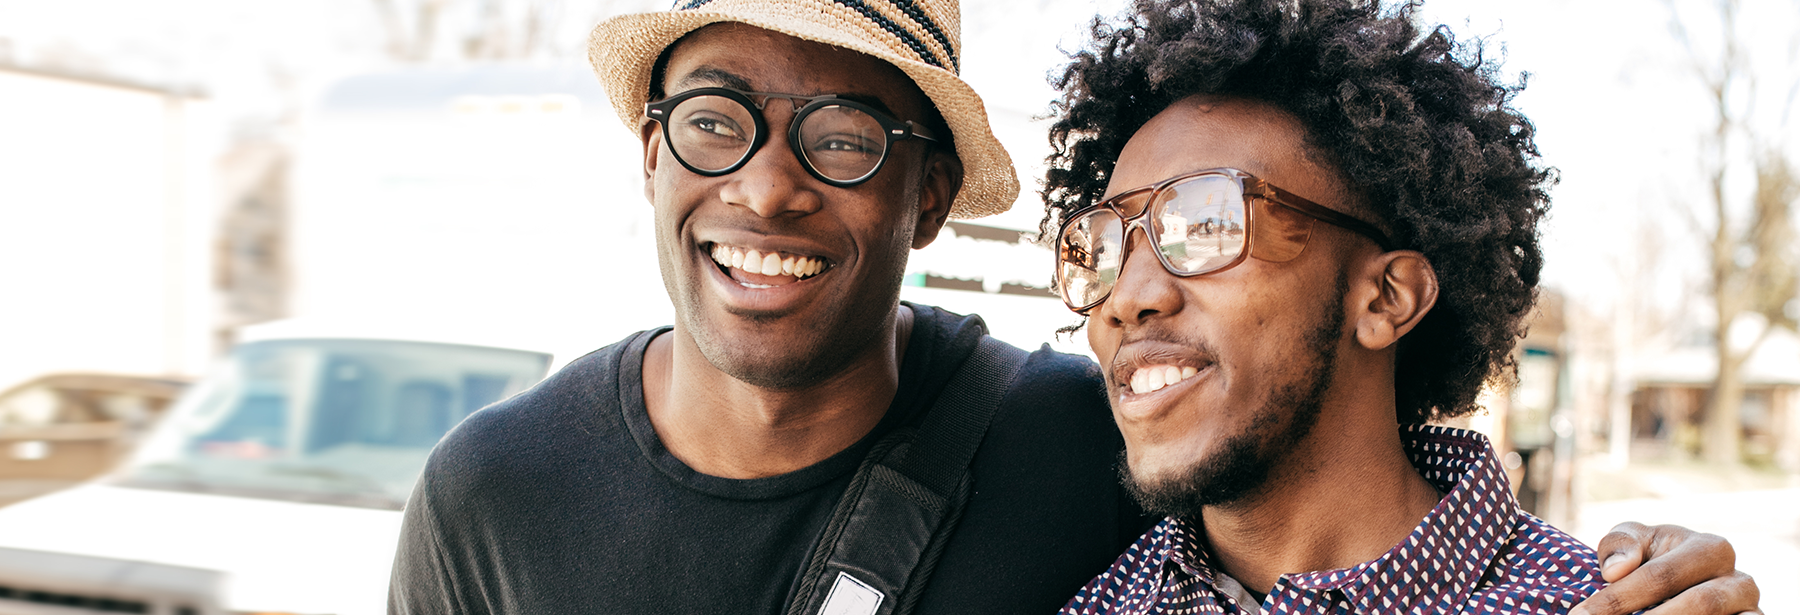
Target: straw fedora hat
(920, 37)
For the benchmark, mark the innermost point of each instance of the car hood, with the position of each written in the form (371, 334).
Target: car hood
(277, 556)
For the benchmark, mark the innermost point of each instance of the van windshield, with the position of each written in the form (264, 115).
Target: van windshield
(331, 421)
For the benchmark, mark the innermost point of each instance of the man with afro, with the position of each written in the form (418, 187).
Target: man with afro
(1301, 230)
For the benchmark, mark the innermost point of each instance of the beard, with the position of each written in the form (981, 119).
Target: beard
(1243, 460)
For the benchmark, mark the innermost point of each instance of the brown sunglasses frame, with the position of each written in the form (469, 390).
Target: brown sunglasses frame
(1252, 187)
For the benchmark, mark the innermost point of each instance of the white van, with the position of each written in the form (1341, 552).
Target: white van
(273, 486)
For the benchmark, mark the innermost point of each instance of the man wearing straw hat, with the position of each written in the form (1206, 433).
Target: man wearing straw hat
(794, 152)
(799, 441)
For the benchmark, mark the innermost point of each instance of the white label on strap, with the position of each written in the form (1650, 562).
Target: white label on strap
(850, 596)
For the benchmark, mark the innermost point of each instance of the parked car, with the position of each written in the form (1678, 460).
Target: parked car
(61, 429)
(273, 486)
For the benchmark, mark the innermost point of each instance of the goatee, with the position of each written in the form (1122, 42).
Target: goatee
(1243, 460)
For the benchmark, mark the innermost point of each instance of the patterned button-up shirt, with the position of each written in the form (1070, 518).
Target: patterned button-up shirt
(1476, 552)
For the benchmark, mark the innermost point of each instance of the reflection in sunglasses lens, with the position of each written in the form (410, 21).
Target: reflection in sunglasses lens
(1201, 226)
(1088, 256)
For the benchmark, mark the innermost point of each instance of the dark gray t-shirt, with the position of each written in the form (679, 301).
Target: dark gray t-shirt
(563, 499)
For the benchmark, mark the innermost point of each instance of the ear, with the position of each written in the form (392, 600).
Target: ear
(649, 133)
(943, 179)
(1405, 288)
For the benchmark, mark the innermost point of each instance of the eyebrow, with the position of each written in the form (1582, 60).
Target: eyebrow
(710, 75)
(719, 77)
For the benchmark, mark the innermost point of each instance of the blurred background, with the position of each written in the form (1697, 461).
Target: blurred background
(182, 178)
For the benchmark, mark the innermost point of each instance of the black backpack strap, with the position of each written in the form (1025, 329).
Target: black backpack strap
(889, 527)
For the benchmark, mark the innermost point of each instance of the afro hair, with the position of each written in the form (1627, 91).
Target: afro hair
(1419, 124)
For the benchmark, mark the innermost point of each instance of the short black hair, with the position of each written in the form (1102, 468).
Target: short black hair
(1419, 124)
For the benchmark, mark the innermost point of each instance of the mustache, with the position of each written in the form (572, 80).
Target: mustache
(1153, 346)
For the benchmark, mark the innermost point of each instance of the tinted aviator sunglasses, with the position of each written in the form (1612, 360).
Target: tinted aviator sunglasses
(1199, 223)
(714, 131)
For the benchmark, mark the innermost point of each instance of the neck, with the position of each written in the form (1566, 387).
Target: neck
(722, 426)
(1345, 495)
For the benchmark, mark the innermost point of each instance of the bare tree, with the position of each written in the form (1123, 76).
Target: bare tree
(1644, 318)
(494, 30)
(499, 34)
(1752, 263)
(410, 40)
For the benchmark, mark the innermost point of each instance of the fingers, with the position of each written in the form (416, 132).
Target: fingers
(1676, 561)
(1622, 550)
(1736, 593)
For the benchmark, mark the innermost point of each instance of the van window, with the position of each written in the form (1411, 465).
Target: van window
(333, 421)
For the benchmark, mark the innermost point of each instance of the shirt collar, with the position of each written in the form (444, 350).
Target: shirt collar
(1443, 558)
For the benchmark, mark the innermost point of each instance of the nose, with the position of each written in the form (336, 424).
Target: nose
(773, 183)
(1144, 289)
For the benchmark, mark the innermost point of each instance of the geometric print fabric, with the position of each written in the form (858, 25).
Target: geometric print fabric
(1475, 552)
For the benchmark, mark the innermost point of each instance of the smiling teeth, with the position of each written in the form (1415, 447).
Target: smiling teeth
(770, 263)
(1153, 378)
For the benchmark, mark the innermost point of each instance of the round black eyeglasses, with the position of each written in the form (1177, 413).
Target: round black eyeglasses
(714, 131)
